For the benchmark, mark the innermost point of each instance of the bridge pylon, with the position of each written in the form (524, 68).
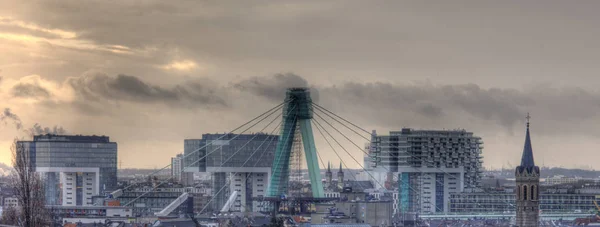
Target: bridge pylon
(297, 112)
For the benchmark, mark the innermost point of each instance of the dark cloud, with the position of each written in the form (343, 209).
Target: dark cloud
(271, 87)
(430, 111)
(8, 115)
(30, 91)
(101, 87)
(503, 106)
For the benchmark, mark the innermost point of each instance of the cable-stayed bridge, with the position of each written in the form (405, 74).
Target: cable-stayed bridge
(294, 120)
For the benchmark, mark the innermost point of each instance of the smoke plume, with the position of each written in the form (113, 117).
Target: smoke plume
(8, 116)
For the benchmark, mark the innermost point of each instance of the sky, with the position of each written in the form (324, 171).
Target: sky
(150, 74)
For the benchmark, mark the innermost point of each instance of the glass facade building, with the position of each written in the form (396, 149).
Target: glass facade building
(429, 165)
(74, 168)
(241, 161)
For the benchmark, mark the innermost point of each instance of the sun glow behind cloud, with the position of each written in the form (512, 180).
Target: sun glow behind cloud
(184, 65)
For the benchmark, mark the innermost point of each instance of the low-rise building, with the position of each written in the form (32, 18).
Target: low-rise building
(353, 208)
(10, 202)
(485, 202)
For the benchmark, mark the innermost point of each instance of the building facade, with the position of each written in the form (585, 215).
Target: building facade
(178, 173)
(73, 168)
(10, 202)
(429, 165)
(237, 162)
(505, 202)
(528, 186)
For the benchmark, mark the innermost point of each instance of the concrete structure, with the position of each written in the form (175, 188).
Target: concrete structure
(297, 113)
(74, 168)
(353, 208)
(429, 165)
(237, 162)
(528, 186)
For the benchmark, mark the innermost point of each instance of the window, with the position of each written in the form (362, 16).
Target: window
(525, 192)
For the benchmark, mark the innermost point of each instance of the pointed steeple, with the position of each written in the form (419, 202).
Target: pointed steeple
(527, 158)
(328, 166)
(341, 171)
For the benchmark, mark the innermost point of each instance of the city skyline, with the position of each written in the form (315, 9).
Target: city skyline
(174, 71)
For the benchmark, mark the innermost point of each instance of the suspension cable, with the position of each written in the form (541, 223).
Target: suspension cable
(388, 170)
(272, 110)
(224, 185)
(336, 153)
(323, 108)
(198, 149)
(343, 148)
(351, 129)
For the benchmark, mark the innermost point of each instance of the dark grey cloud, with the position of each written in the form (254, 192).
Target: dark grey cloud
(38, 129)
(101, 88)
(29, 91)
(430, 110)
(385, 104)
(272, 87)
(8, 116)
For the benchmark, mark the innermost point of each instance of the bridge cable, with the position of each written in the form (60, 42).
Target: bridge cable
(230, 132)
(273, 110)
(388, 170)
(279, 126)
(336, 153)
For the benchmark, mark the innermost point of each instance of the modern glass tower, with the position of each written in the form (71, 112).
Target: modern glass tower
(297, 112)
(74, 168)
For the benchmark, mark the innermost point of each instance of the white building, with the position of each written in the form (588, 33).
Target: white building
(78, 187)
(429, 165)
(559, 179)
(10, 202)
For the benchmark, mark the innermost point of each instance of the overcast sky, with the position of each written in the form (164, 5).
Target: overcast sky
(150, 74)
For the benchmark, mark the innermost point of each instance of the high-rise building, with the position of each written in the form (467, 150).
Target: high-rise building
(73, 168)
(528, 187)
(430, 164)
(177, 171)
(240, 162)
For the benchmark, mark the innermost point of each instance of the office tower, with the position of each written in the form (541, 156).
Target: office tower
(430, 164)
(528, 184)
(73, 168)
(184, 178)
(237, 162)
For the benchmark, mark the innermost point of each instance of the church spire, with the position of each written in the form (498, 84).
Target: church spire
(527, 158)
(341, 171)
(328, 166)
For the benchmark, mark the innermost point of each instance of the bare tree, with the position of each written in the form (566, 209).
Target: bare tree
(29, 189)
(9, 216)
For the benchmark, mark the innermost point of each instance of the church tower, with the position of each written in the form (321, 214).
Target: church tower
(340, 176)
(527, 191)
(328, 177)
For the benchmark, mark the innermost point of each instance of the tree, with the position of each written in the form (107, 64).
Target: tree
(9, 216)
(29, 188)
